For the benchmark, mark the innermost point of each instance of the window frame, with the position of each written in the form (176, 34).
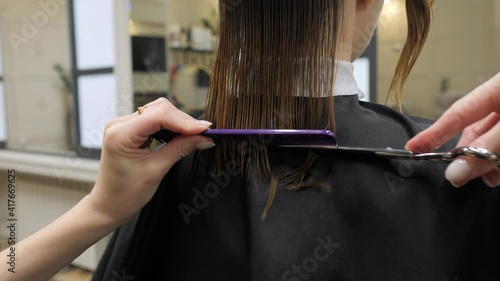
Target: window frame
(3, 144)
(85, 152)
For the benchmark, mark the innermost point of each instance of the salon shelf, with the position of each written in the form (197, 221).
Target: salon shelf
(189, 49)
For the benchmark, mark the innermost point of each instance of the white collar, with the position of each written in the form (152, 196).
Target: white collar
(345, 84)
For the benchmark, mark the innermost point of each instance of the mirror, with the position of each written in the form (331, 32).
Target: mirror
(172, 49)
(189, 88)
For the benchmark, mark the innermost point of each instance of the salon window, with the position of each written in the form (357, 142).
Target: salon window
(100, 57)
(65, 74)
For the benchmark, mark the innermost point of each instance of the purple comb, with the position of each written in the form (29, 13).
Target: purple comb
(269, 137)
(324, 141)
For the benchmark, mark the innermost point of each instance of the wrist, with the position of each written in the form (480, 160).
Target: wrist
(102, 211)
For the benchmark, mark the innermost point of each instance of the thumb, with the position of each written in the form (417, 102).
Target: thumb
(179, 148)
(463, 170)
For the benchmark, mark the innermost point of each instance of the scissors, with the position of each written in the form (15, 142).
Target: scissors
(325, 141)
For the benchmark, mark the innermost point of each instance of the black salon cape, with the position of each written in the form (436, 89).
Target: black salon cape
(383, 220)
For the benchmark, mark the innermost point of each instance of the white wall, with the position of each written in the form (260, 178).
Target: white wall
(460, 47)
(497, 15)
(137, 28)
(41, 200)
(151, 11)
(189, 12)
(35, 38)
(497, 33)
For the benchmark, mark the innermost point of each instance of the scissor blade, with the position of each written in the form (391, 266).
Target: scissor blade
(439, 157)
(382, 152)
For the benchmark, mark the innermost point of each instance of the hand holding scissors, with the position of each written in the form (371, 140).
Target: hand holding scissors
(478, 115)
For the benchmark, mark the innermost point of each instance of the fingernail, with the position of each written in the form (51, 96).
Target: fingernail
(488, 183)
(419, 148)
(205, 145)
(204, 123)
(458, 173)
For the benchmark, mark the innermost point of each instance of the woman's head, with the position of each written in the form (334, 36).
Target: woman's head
(275, 65)
(364, 17)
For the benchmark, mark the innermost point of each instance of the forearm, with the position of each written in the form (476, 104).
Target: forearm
(128, 178)
(43, 254)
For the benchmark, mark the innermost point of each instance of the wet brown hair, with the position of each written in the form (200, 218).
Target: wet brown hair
(419, 17)
(273, 52)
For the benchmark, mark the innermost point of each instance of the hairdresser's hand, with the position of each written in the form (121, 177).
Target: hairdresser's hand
(478, 115)
(129, 175)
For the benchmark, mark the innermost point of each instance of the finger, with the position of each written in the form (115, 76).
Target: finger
(475, 106)
(120, 119)
(167, 116)
(136, 113)
(128, 117)
(177, 149)
(133, 133)
(492, 179)
(152, 104)
(465, 169)
(157, 101)
(477, 129)
(119, 127)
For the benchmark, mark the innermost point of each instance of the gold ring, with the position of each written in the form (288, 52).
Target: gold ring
(141, 109)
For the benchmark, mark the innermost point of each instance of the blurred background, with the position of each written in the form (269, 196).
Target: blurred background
(68, 66)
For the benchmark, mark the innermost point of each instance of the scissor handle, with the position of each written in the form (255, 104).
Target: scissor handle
(453, 154)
